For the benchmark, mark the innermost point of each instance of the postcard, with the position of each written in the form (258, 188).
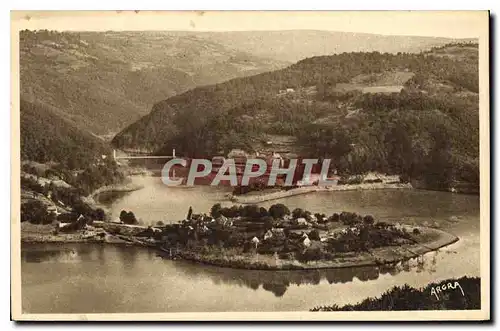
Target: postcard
(250, 165)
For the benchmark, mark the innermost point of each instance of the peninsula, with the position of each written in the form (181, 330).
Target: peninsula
(252, 237)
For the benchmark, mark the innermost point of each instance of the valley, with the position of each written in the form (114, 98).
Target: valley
(398, 116)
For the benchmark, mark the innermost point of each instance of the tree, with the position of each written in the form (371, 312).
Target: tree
(128, 217)
(314, 235)
(368, 220)
(268, 222)
(123, 216)
(311, 254)
(81, 207)
(99, 214)
(279, 211)
(160, 223)
(400, 149)
(252, 211)
(234, 211)
(131, 218)
(215, 211)
(439, 172)
(319, 217)
(334, 218)
(298, 213)
(263, 212)
(36, 212)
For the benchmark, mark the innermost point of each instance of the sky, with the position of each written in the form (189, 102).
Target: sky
(453, 24)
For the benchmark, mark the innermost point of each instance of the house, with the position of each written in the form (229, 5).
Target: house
(301, 221)
(255, 241)
(234, 153)
(79, 224)
(398, 226)
(355, 230)
(306, 241)
(53, 209)
(287, 90)
(62, 224)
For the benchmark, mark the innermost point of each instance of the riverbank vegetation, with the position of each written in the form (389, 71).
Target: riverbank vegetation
(52, 192)
(85, 179)
(465, 297)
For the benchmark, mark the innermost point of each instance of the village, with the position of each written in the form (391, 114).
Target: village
(252, 237)
(282, 235)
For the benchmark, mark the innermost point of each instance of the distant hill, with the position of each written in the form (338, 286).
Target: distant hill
(48, 137)
(295, 45)
(103, 81)
(412, 114)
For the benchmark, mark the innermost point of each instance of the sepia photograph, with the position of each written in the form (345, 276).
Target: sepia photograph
(250, 165)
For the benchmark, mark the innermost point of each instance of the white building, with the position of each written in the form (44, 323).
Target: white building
(306, 242)
(255, 241)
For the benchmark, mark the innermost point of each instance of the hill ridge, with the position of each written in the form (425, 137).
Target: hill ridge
(435, 92)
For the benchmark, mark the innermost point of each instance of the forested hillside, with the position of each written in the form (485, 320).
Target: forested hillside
(103, 81)
(48, 137)
(411, 114)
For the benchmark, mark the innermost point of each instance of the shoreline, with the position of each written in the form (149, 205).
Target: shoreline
(36, 233)
(93, 200)
(124, 187)
(257, 198)
(375, 257)
(429, 240)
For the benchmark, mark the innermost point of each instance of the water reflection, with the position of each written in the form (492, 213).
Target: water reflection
(59, 254)
(278, 282)
(82, 278)
(78, 253)
(128, 258)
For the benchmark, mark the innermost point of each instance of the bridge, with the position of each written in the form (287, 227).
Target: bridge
(143, 156)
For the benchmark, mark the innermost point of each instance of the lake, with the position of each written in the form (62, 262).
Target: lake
(89, 278)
